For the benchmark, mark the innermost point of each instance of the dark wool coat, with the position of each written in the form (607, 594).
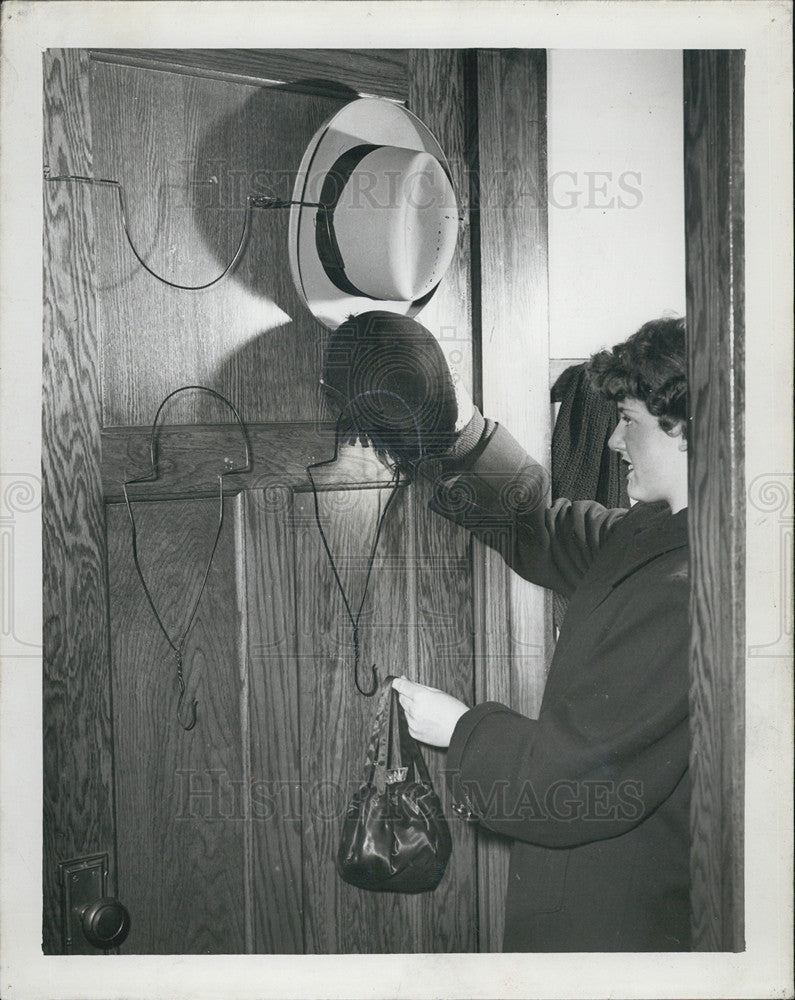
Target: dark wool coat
(595, 792)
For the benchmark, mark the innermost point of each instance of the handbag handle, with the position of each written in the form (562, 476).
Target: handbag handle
(390, 747)
(384, 736)
(381, 717)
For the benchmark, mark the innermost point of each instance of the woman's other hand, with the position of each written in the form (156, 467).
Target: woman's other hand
(431, 714)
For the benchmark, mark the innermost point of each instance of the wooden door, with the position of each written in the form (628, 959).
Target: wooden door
(221, 839)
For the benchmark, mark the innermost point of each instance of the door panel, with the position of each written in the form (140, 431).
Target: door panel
(442, 655)
(180, 832)
(274, 802)
(249, 337)
(228, 833)
(335, 719)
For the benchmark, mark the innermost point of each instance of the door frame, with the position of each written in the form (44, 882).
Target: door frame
(714, 229)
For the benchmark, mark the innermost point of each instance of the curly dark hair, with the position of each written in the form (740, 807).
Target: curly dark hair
(650, 366)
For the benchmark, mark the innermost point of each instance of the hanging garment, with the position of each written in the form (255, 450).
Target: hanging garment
(583, 467)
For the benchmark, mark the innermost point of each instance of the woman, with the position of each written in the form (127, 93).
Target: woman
(595, 792)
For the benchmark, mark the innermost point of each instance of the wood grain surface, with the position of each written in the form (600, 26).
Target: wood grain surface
(191, 457)
(713, 93)
(512, 617)
(442, 655)
(515, 315)
(374, 72)
(76, 709)
(336, 720)
(187, 151)
(275, 814)
(181, 823)
(437, 95)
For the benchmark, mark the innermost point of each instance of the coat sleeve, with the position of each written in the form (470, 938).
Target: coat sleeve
(500, 494)
(606, 753)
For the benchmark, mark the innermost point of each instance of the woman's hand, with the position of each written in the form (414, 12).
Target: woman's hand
(431, 714)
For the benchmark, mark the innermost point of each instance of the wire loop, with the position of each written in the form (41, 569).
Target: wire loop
(395, 484)
(252, 202)
(178, 644)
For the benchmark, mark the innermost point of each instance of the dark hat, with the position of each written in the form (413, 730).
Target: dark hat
(387, 377)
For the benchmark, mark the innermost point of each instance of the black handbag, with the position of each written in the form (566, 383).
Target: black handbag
(394, 836)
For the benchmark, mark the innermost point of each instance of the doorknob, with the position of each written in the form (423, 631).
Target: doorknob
(91, 917)
(105, 922)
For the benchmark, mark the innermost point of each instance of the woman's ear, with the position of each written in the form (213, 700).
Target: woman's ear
(678, 431)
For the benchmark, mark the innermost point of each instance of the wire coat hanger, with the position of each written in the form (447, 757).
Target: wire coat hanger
(395, 484)
(252, 202)
(178, 644)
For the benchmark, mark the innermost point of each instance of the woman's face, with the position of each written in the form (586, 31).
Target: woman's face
(657, 459)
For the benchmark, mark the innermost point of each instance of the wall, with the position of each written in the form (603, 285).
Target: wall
(616, 194)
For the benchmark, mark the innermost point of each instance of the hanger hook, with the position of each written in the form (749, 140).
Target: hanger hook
(181, 680)
(359, 688)
(192, 722)
(367, 694)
